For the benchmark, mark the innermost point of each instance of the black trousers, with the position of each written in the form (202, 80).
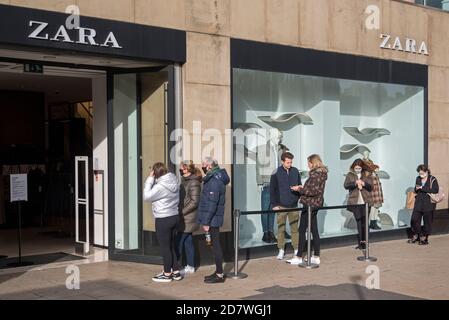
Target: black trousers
(166, 230)
(303, 225)
(427, 217)
(360, 218)
(216, 249)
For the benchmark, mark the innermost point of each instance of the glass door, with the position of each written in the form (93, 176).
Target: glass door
(141, 116)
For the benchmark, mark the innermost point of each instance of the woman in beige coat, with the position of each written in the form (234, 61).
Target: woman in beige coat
(359, 184)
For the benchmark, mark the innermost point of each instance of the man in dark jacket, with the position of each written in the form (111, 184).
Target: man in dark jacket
(284, 194)
(211, 212)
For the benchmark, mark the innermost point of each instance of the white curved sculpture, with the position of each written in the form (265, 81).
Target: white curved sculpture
(287, 117)
(367, 132)
(383, 175)
(348, 148)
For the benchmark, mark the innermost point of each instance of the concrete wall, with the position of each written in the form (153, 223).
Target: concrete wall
(331, 25)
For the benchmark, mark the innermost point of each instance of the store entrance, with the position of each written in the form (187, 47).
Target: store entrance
(47, 119)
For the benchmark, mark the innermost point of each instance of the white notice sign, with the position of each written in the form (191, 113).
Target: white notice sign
(19, 187)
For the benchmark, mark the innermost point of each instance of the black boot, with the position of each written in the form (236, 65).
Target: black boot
(266, 237)
(373, 225)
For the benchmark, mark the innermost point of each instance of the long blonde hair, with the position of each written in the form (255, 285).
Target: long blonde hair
(315, 160)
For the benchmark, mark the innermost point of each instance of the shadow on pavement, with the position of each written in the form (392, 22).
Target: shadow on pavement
(339, 292)
(89, 290)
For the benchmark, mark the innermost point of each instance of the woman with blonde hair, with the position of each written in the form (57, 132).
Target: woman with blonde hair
(189, 199)
(311, 195)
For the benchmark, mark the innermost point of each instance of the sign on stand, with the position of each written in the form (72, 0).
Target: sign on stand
(19, 187)
(19, 194)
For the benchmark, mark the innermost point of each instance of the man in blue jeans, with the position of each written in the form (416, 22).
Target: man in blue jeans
(267, 218)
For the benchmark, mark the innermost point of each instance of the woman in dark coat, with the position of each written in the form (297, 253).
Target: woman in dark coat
(424, 207)
(359, 184)
(190, 192)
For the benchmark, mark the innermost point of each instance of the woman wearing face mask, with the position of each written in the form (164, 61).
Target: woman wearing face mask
(359, 184)
(423, 209)
(189, 199)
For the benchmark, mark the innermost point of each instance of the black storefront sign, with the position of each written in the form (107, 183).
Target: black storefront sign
(286, 59)
(49, 30)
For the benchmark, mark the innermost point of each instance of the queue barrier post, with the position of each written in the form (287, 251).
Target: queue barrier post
(236, 274)
(366, 257)
(308, 264)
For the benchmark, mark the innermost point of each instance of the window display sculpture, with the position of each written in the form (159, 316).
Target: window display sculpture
(367, 132)
(350, 148)
(287, 118)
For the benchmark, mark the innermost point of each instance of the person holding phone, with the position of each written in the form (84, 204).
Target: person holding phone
(285, 185)
(311, 195)
(359, 184)
(211, 212)
(424, 208)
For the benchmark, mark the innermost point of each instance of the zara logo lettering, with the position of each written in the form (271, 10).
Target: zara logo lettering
(86, 36)
(410, 45)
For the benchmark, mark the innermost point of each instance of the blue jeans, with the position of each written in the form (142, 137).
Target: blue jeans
(185, 240)
(267, 218)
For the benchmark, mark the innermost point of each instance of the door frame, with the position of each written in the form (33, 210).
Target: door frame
(171, 122)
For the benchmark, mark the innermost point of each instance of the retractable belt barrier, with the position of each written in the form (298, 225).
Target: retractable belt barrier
(308, 264)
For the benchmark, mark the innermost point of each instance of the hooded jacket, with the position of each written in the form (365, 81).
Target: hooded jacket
(312, 194)
(189, 201)
(164, 194)
(212, 201)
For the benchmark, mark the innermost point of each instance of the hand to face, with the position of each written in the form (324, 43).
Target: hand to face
(152, 173)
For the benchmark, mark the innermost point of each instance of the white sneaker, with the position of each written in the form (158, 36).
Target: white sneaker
(315, 260)
(295, 261)
(296, 253)
(189, 270)
(281, 255)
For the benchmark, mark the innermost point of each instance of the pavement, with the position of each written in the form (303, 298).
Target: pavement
(404, 271)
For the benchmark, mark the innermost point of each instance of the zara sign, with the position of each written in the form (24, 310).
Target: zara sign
(405, 45)
(84, 36)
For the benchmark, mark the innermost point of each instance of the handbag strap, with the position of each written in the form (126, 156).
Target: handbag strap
(432, 179)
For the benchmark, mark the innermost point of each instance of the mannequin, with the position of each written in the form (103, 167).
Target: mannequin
(377, 193)
(366, 156)
(269, 156)
(268, 160)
